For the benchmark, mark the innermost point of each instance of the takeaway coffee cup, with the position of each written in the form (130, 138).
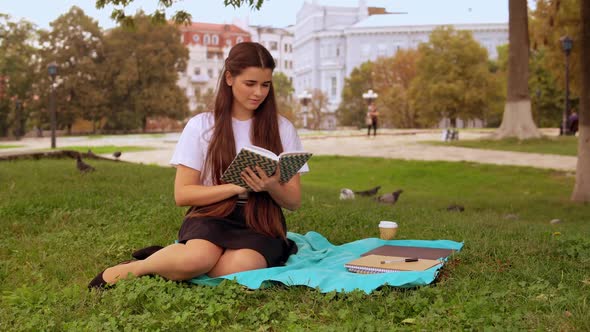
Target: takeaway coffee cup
(387, 229)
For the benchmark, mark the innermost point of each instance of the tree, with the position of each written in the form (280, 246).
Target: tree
(547, 96)
(352, 108)
(284, 95)
(206, 101)
(550, 21)
(75, 43)
(319, 100)
(141, 66)
(159, 15)
(392, 80)
(581, 191)
(452, 78)
(17, 74)
(517, 120)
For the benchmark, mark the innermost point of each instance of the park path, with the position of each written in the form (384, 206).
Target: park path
(396, 144)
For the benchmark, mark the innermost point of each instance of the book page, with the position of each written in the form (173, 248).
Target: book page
(262, 151)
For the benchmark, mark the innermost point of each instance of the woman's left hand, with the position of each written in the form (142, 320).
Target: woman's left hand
(260, 182)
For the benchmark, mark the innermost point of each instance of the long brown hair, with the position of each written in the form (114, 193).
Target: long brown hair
(261, 212)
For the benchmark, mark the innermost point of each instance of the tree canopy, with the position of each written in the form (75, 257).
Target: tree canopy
(18, 62)
(452, 78)
(352, 108)
(159, 15)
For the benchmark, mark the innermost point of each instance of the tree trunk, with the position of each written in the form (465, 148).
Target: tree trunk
(581, 191)
(517, 120)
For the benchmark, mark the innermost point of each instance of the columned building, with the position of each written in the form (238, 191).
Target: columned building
(331, 40)
(208, 45)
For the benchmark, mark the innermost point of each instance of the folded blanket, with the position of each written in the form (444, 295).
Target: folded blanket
(320, 264)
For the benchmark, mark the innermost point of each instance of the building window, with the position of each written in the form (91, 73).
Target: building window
(215, 40)
(210, 73)
(286, 48)
(206, 40)
(337, 51)
(274, 46)
(239, 40)
(333, 86)
(290, 48)
(196, 38)
(286, 64)
(197, 71)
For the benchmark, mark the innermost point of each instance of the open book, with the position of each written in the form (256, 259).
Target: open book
(289, 162)
(381, 264)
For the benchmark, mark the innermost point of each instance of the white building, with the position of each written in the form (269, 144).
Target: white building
(331, 40)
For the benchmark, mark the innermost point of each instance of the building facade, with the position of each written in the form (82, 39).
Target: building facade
(208, 45)
(331, 40)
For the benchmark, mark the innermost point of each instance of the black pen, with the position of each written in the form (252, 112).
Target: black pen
(403, 260)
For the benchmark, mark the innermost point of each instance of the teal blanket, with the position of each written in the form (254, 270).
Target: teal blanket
(320, 264)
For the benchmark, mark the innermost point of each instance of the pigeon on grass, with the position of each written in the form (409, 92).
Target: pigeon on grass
(389, 198)
(368, 192)
(82, 166)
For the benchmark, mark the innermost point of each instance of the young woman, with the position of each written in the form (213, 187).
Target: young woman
(227, 229)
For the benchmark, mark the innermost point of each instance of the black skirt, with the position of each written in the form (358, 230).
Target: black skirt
(232, 232)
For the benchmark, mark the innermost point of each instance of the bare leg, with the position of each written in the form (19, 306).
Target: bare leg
(175, 262)
(233, 261)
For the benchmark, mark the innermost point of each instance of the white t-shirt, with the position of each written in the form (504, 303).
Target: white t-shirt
(192, 146)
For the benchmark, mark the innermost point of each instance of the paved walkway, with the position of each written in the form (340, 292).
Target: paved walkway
(398, 144)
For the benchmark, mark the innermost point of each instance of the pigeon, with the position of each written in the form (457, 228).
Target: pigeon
(389, 198)
(90, 153)
(82, 166)
(455, 208)
(117, 154)
(346, 194)
(369, 192)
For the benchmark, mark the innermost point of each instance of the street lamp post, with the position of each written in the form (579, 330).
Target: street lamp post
(304, 97)
(566, 44)
(370, 96)
(52, 71)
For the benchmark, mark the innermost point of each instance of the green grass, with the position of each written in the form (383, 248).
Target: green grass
(564, 145)
(104, 149)
(10, 146)
(60, 228)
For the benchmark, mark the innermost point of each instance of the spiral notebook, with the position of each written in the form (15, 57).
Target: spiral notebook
(382, 264)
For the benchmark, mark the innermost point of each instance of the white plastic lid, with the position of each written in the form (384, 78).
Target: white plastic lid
(388, 224)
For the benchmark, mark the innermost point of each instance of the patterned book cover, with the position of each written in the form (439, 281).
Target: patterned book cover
(290, 164)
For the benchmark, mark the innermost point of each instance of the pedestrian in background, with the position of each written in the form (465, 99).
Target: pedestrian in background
(372, 119)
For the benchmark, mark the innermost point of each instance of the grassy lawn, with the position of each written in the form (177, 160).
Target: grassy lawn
(104, 149)
(9, 146)
(566, 146)
(516, 271)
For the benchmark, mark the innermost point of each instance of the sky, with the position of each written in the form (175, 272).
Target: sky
(276, 13)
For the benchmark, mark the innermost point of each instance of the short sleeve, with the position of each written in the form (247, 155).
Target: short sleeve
(190, 150)
(290, 139)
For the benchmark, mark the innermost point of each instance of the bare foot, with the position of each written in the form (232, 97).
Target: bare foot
(113, 274)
